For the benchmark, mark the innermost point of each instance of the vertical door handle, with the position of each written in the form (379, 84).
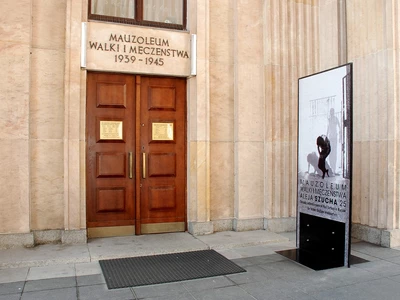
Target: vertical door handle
(130, 165)
(144, 165)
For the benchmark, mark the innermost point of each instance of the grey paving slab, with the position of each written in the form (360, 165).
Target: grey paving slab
(53, 271)
(395, 260)
(364, 256)
(159, 290)
(381, 267)
(269, 292)
(382, 289)
(291, 235)
(232, 239)
(395, 278)
(90, 280)
(282, 246)
(313, 282)
(43, 255)
(58, 294)
(285, 268)
(10, 297)
(207, 283)
(253, 274)
(350, 275)
(13, 274)
(11, 288)
(254, 251)
(229, 253)
(184, 296)
(264, 259)
(226, 293)
(375, 251)
(133, 246)
(100, 292)
(49, 284)
(91, 268)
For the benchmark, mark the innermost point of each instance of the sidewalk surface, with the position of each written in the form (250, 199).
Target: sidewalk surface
(73, 272)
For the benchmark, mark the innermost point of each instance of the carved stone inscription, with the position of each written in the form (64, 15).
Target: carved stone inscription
(136, 49)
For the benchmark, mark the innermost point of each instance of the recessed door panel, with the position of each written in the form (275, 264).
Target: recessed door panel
(111, 165)
(162, 164)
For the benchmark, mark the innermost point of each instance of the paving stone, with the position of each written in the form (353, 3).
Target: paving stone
(285, 268)
(395, 278)
(58, 294)
(92, 268)
(254, 251)
(226, 293)
(158, 290)
(185, 296)
(11, 288)
(265, 259)
(350, 275)
(13, 274)
(207, 283)
(381, 267)
(49, 284)
(253, 274)
(382, 289)
(375, 251)
(101, 292)
(90, 280)
(272, 291)
(10, 297)
(54, 271)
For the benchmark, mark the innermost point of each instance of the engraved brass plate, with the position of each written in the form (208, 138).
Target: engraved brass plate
(162, 132)
(111, 130)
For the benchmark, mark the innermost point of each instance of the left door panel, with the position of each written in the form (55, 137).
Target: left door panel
(110, 150)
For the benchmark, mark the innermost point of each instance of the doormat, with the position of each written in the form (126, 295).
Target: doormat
(155, 269)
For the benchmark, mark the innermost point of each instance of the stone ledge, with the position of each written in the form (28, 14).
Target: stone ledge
(381, 237)
(248, 224)
(40, 237)
(200, 228)
(280, 224)
(17, 240)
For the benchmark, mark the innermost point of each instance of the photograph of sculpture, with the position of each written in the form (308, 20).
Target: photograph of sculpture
(324, 143)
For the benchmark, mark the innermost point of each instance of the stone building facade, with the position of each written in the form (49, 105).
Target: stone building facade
(240, 145)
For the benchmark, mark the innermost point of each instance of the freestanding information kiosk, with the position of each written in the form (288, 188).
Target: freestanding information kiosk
(324, 169)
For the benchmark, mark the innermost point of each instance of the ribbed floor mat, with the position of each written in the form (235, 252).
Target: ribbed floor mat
(137, 271)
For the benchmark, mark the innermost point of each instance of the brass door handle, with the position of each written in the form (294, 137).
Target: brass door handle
(144, 166)
(130, 165)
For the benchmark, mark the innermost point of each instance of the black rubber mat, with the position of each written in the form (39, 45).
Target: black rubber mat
(145, 270)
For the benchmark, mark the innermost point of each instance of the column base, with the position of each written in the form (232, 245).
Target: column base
(40, 237)
(381, 237)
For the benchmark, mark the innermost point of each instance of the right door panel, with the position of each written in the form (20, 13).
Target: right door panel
(163, 155)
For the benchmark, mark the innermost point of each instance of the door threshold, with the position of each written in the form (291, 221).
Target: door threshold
(97, 232)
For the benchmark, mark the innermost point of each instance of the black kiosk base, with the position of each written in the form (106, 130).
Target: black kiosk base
(321, 243)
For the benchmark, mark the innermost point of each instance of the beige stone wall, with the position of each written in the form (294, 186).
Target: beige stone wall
(292, 50)
(373, 47)
(15, 62)
(47, 114)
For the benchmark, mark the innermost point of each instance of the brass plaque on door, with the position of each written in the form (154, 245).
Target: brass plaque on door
(111, 130)
(162, 131)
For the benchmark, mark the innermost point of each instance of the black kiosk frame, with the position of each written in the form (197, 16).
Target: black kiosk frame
(324, 169)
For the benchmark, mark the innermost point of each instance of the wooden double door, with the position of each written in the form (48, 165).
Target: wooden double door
(136, 154)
